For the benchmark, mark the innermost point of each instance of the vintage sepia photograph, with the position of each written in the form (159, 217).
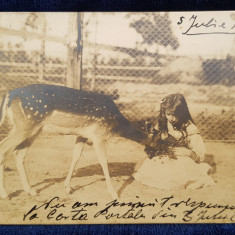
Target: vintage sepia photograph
(117, 117)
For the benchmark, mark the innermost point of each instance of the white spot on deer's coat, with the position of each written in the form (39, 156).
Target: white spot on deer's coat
(33, 96)
(22, 92)
(36, 113)
(53, 94)
(41, 115)
(36, 101)
(28, 116)
(45, 106)
(27, 98)
(31, 108)
(40, 101)
(28, 103)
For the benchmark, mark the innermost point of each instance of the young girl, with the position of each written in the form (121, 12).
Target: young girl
(177, 163)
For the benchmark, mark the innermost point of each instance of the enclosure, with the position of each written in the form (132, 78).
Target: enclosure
(137, 59)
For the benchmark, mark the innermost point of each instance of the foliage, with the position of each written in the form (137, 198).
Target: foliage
(219, 71)
(155, 28)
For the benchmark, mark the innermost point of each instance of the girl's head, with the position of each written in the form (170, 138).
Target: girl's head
(175, 110)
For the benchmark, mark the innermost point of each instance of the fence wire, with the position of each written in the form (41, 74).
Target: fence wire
(24, 52)
(136, 77)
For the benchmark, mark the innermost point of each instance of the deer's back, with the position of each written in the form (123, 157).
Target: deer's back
(40, 101)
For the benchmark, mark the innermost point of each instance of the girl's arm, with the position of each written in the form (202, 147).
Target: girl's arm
(195, 143)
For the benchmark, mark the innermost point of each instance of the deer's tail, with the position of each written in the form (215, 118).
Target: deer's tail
(3, 109)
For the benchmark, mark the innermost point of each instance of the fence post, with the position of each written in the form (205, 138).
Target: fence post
(42, 51)
(74, 51)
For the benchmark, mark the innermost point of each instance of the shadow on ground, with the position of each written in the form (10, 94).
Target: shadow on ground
(116, 169)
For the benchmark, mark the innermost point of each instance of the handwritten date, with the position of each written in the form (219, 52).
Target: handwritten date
(196, 25)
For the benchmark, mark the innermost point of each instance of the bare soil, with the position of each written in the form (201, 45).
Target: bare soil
(48, 161)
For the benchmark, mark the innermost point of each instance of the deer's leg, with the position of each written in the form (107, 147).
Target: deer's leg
(20, 154)
(20, 157)
(99, 146)
(77, 152)
(6, 145)
(3, 193)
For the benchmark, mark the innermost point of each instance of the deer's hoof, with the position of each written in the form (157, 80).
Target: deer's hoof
(3, 194)
(67, 190)
(113, 194)
(32, 192)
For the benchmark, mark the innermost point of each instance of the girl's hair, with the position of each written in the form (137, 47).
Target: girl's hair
(176, 104)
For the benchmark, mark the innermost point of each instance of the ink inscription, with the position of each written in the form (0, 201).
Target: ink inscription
(188, 211)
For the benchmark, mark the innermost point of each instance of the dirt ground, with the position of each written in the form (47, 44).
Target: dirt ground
(48, 161)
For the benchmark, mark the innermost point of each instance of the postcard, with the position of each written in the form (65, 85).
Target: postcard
(117, 117)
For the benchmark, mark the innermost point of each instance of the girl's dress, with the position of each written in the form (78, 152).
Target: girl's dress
(165, 172)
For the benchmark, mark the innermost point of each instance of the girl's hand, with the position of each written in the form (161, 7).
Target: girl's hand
(179, 151)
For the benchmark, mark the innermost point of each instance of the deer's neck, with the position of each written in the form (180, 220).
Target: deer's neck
(129, 130)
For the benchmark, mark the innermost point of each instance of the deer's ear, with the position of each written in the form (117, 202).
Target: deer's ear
(150, 151)
(148, 127)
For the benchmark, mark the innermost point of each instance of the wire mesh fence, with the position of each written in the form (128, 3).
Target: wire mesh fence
(24, 54)
(136, 73)
(139, 77)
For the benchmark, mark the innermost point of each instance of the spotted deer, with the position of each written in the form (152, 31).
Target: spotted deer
(90, 116)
